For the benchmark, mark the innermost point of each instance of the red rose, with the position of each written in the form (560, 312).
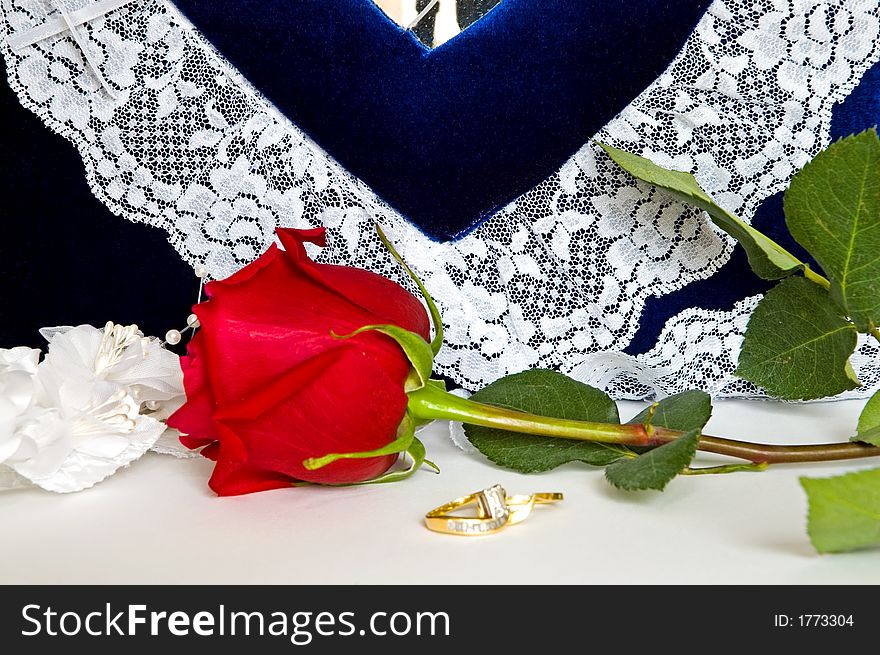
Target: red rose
(268, 384)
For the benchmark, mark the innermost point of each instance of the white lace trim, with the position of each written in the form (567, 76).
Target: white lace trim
(699, 349)
(557, 279)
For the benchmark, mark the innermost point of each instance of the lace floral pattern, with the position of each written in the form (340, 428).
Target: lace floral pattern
(558, 279)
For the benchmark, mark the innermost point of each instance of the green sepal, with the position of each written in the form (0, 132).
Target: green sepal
(405, 436)
(767, 258)
(437, 384)
(416, 349)
(417, 454)
(436, 319)
(415, 450)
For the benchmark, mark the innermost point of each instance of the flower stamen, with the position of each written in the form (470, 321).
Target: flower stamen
(114, 343)
(118, 414)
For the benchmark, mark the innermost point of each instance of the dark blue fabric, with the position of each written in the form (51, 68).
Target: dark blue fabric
(450, 135)
(861, 108)
(735, 280)
(64, 258)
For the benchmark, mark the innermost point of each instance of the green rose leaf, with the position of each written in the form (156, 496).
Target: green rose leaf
(657, 467)
(869, 422)
(689, 410)
(767, 258)
(552, 394)
(797, 346)
(832, 209)
(844, 511)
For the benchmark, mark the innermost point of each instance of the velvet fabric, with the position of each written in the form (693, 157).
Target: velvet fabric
(65, 259)
(447, 136)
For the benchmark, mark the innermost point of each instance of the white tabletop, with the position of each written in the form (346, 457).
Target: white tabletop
(157, 522)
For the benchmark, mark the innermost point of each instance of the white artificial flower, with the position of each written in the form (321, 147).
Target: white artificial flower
(19, 359)
(118, 354)
(90, 430)
(92, 406)
(17, 392)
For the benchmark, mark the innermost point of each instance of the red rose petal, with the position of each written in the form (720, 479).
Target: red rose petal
(294, 239)
(281, 389)
(194, 419)
(245, 273)
(258, 332)
(379, 296)
(373, 293)
(242, 479)
(353, 405)
(211, 451)
(234, 475)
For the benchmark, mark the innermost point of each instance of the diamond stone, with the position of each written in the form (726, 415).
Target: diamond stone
(493, 501)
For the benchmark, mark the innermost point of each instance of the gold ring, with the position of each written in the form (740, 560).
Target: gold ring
(494, 511)
(521, 506)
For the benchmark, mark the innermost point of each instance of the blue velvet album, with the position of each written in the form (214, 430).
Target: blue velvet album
(445, 136)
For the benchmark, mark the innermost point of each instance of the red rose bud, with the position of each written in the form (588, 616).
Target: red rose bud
(270, 384)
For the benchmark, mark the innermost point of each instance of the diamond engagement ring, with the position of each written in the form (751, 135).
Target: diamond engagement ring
(494, 511)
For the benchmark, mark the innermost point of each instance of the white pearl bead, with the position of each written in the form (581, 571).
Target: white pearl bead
(152, 405)
(193, 321)
(173, 337)
(201, 271)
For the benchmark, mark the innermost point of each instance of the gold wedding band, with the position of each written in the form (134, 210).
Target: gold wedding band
(495, 510)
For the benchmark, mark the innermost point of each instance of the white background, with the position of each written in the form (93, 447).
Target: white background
(157, 522)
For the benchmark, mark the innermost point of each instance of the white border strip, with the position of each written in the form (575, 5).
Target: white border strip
(57, 24)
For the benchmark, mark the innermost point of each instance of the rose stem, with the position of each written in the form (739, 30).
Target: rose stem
(433, 403)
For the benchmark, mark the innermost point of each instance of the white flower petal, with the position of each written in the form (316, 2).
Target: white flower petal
(169, 444)
(49, 433)
(17, 387)
(73, 352)
(80, 470)
(105, 446)
(19, 358)
(9, 447)
(49, 333)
